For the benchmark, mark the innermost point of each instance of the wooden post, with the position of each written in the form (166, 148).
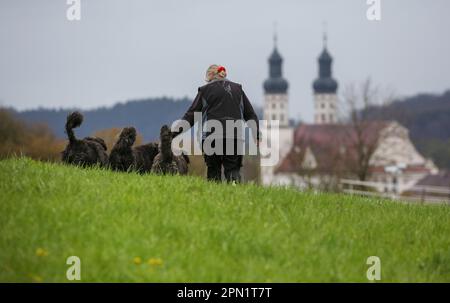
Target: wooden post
(422, 195)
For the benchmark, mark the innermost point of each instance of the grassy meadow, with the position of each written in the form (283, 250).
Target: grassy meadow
(132, 228)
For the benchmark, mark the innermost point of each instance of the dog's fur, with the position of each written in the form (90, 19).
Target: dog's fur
(86, 152)
(125, 157)
(165, 161)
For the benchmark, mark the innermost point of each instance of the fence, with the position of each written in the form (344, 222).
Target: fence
(418, 194)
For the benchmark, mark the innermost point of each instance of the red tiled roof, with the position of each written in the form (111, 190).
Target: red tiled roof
(332, 145)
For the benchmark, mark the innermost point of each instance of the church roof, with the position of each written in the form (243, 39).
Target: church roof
(325, 84)
(275, 84)
(333, 146)
(325, 56)
(275, 57)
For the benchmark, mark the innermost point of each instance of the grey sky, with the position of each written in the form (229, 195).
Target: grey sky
(126, 49)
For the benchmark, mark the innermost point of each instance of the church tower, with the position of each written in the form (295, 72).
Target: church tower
(276, 107)
(325, 87)
(275, 90)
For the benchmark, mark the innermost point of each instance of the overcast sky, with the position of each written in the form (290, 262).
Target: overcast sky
(128, 49)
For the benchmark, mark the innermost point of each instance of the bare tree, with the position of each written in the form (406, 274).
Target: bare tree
(364, 132)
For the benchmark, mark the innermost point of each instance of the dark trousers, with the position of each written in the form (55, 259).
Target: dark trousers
(231, 162)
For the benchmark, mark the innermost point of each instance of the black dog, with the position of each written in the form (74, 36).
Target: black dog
(125, 157)
(165, 161)
(86, 152)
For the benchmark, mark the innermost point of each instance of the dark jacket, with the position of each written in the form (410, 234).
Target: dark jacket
(222, 100)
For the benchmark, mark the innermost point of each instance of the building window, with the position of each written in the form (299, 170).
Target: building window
(274, 117)
(331, 118)
(322, 105)
(324, 118)
(273, 105)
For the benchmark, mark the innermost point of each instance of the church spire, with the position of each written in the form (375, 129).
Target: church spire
(275, 83)
(325, 35)
(275, 35)
(325, 82)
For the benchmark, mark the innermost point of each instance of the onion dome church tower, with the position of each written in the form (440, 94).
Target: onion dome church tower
(325, 87)
(276, 107)
(275, 90)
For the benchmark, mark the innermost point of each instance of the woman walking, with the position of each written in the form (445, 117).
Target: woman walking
(224, 101)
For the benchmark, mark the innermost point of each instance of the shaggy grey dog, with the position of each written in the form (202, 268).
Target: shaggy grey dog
(165, 161)
(85, 152)
(125, 157)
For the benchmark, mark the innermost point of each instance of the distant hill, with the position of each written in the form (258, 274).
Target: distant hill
(427, 117)
(147, 115)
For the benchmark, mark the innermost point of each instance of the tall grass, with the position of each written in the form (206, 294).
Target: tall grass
(131, 228)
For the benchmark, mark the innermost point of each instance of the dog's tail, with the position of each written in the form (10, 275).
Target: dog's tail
(165, 146)
(73, 120)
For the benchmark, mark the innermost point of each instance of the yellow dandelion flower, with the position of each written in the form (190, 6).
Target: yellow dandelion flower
(36, 278)
(137, 260)
(40, 252)
(155, 261)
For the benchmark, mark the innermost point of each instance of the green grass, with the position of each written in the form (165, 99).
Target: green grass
(205, 232)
